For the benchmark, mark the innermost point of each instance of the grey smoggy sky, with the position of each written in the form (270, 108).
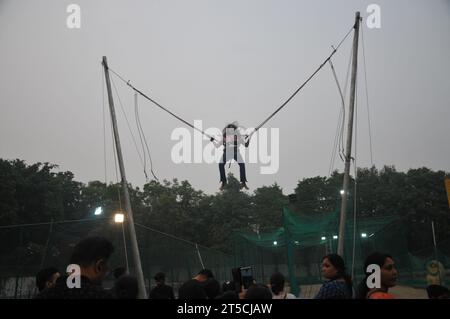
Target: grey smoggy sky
(222, 61)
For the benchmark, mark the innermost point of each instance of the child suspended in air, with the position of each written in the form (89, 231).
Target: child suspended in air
(231, 139)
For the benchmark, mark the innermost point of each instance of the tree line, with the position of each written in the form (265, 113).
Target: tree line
(39, 193)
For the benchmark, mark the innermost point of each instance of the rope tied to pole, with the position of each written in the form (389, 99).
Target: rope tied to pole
(160, 106)
(247, 137)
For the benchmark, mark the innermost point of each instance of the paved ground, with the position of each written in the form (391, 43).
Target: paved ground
(401, 292)
(405, 292)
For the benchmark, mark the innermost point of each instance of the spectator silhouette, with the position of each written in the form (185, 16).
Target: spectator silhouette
(161, 290)
(438, 292)
(339, 284)
(46, 278)
(194, 288)
(258, 291)
(212, 288)
(388, 277)
(119, 272)
(277, 281)
(126, 287)
(91, 255)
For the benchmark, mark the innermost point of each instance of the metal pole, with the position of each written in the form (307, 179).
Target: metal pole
(125, 248)
(348, 149)
(262, 263)
(132, 231)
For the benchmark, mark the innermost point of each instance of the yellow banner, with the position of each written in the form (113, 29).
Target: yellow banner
(447, 187)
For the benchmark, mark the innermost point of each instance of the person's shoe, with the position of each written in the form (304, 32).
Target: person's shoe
(244, 185)
(222, 187)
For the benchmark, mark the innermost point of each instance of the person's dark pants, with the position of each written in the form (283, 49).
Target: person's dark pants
(223, 177)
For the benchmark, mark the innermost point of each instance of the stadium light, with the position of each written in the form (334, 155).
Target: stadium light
(323, 238)
(275, 243)
(335, 237)
(98, 211)
(363, 235)
(119, 217)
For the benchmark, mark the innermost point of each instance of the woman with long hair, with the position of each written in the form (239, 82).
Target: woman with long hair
(388, 277)
(231, 140)
(339, 284)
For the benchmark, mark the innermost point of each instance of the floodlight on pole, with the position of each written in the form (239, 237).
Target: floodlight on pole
(98, 211)
(119, 218)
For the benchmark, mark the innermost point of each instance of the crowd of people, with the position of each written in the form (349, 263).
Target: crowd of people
(92, 255)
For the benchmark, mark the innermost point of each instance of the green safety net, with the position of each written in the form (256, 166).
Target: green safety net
(27, 249)
(296, 249)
